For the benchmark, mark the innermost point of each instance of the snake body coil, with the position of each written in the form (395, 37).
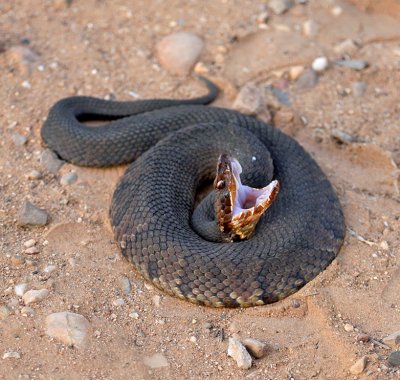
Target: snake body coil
(175, 146)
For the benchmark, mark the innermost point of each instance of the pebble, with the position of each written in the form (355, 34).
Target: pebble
(392, 340)
(32, 251)
(49, 268)
(29, 243)
(320, 64)
(32, 215)
(33, 296)
(24, 58)
(119, 302)
(384, 245)
(394, 358)
(20, 289)
(179, 52)
(238, 352)
(295, 72)
(354, 64)
(363, 338)
(18, 139)
(193, 339)
(126, 285)
(156, 361)
(310, 28)
(68, 328)
(358, 367)
(280, 6)
(249, 100)
(359, 88)
(34, 174)
(234, 328)
(133, 314)
(342, 137)
(27, 311)
(308, 79)
(255, 347)
(337, 11)
(295, 303)
(50, 161)
(4, 312)
(207, 325)
(201, 68)
(345, 47)
(68, 179)
(12, 355)
(348, 327)
(17, 260)
(156, 300)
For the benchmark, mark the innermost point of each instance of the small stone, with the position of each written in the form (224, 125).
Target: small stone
(4, 312)
(358, 367)
(34, 174)
(394, 358)
(50, 161)
(62, 4)
(25, 59)
(234, 328)
(193, 339)
(33, 296)
(156, 300)
(392, 340)
(49, 268)
(18, 139)
(238, 352)
(17, 260)
(255, 347)
(32, 215)
(283, 117)
(345, 47)
(354, 64)
(207, 325)
(201, 68)
(363, 338)
(348, 327)
(29, 243)
(337, 11)
(280, 6)
(263, 17)
(11, 355)
(27, 311)
(68, 328)
(179, 52)
(342, 137)
(384, 245)
(126, 285)
(295, 303)
(359, 88)
(20, 289)
(320, 64)
(68, 179)
(295, 72)
(310, 28)
(156, 361)
(119, 302)
(32, 251)
(133, 314)
(308, 79)
(250, 100)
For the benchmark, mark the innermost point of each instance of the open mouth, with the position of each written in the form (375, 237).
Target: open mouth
(239, 207)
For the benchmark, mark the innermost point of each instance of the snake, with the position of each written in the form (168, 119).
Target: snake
(195, 249)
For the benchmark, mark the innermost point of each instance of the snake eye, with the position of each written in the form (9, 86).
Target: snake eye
(220, 184)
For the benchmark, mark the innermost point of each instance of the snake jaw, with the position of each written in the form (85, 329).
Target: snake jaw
(239, 207)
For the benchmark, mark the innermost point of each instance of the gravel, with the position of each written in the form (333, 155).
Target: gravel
(31, 215)
(308, 79)
(320, 64)
(4, 312)
(27, 311)
(50, 161)
(18, 139)
(359, 88)
(25, 59)
(250, 100)
(392, 340)
(12, 355)
(29, 243)
(126, 285)
(255, 347)
(358, 367)
(394, 358)
(156, 361)
(34, 296)
(280, 6)
(68, 179)
(354, 64)
(20, 289)
(34, 175)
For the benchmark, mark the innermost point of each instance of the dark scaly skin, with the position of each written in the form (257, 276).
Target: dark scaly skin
(152, 206)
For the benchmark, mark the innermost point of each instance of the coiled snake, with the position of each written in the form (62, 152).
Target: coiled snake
(175, 146)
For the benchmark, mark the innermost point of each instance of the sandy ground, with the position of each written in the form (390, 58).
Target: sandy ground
(105, 48)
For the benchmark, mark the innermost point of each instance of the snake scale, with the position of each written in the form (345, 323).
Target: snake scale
(174, 146)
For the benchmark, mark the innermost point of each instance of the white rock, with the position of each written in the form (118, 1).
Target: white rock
(179, 52)
(49, 268)
(310, 28)
(11, 355)
(358, 367)
(320, 64)
(69, 328)
(27, 311)
(337, 11)
(20, 289)
(392, 340)
(29, 243)
(119, 302)
(238, 352)
(295, 72)
(345, 47)
(156, 361)
(33, 296)
(255, 347)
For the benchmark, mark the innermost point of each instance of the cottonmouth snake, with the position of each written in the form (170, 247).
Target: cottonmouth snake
(174, 146)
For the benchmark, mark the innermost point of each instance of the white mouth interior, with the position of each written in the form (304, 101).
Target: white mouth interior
(248, 197)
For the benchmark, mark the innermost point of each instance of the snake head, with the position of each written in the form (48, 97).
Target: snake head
(239, 207)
